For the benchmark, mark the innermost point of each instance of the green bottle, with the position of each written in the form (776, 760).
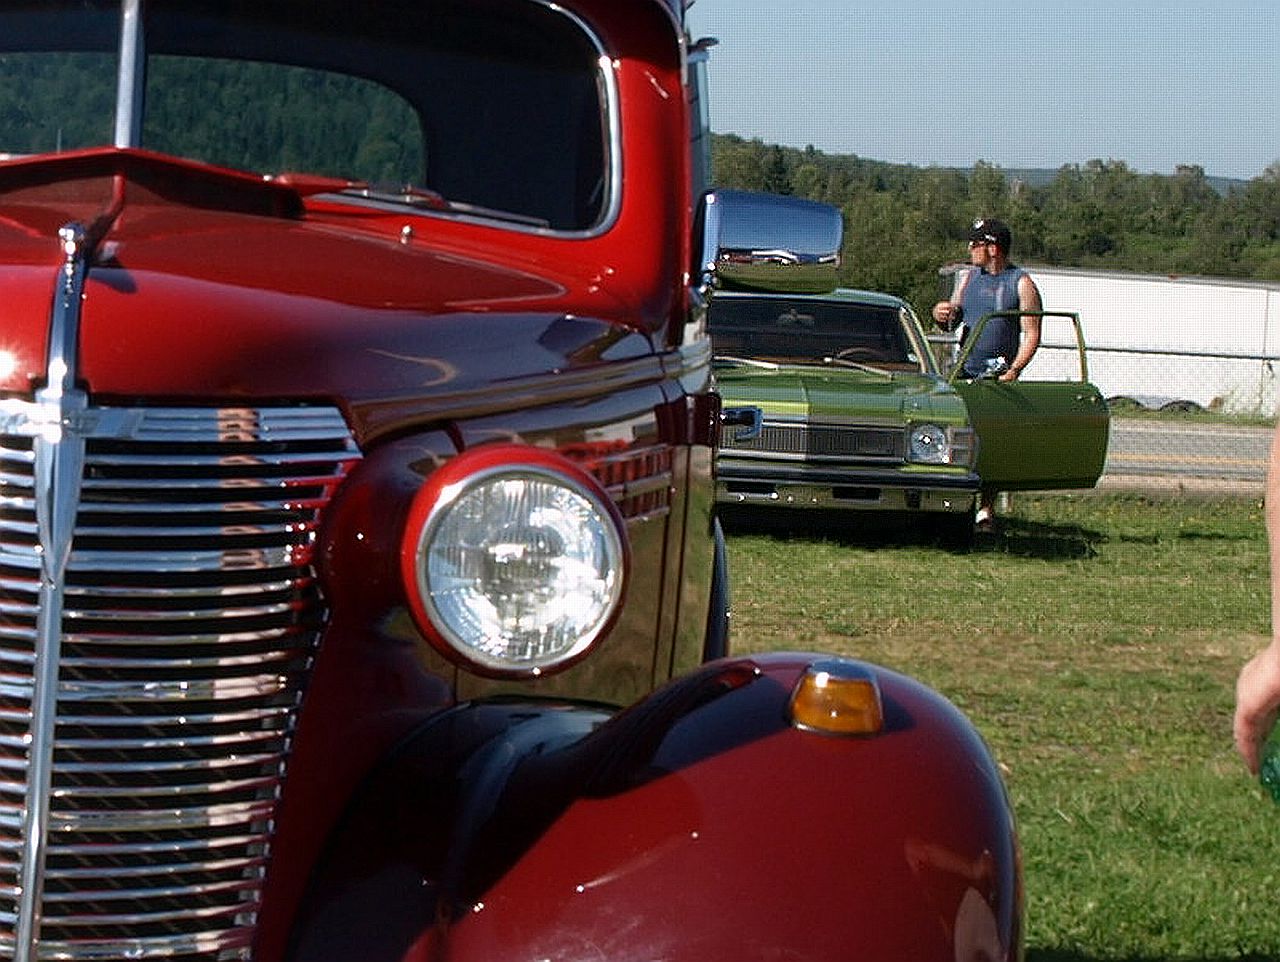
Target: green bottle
(1269, 770)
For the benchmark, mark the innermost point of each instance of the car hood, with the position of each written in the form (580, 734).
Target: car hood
(209, 285)
(793, 392)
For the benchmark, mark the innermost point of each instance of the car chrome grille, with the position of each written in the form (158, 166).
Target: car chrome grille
(823, 441)
(190, 615)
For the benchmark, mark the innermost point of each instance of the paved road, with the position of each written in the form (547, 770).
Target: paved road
(1196, 453)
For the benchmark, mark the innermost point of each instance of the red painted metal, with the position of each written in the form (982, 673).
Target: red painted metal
(778, 845)
(697, 825)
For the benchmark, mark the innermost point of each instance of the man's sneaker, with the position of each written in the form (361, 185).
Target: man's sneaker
(984, 520)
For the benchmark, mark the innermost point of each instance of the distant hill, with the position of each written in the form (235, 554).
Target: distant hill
(1043, 176)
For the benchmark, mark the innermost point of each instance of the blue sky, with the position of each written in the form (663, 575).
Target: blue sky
(1030, 84)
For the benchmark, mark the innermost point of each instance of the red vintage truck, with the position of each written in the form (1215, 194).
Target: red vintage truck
(361, 596)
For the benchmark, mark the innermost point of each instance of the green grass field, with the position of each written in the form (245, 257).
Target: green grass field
(1094, 641)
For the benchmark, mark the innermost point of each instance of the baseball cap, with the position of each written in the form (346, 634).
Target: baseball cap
(991, 231)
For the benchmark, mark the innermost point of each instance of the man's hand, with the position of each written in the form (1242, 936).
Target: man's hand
(1257, 703)
(946, 314)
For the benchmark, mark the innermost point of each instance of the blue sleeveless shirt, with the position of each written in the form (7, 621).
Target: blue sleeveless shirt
(1001, 336)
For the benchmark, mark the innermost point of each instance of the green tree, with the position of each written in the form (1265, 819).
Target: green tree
(777, 172)
(987, 191)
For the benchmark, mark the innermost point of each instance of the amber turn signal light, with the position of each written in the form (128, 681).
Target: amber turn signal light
(838, 698)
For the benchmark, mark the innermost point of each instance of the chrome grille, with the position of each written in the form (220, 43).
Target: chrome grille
(824, 441)
(190, 616)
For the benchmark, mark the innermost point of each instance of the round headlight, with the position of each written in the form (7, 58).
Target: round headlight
(515, 560)
(929, 444)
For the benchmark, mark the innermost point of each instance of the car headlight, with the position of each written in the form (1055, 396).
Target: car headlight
(929, 444)
(514, 561)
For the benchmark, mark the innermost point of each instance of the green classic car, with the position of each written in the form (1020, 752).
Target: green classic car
(836, 401)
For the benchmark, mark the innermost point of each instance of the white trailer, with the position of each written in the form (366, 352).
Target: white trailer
(1165, 340)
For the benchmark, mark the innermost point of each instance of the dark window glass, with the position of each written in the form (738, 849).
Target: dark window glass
(494, 104)
(796, 330)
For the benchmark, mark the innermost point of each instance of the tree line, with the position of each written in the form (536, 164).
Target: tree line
(250, 116)
(903, 222)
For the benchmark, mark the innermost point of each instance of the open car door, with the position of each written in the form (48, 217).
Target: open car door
(1036, 434)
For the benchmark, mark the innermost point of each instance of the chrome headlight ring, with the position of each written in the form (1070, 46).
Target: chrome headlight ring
(514, 561)
(928, 444)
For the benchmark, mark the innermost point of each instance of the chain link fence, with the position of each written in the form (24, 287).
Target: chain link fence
(1159, 436)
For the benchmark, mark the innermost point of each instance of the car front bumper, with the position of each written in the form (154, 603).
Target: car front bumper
(857, 489)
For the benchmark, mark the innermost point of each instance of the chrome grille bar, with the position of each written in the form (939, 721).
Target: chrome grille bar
(57, 470)
(831, 441)
(190, 612)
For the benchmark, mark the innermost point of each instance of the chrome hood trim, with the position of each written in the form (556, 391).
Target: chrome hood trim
(59, 463)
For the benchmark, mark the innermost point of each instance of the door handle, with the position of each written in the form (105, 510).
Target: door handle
(748, 419)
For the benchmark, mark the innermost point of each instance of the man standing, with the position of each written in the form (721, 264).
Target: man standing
(994, 284)
(1003, 345)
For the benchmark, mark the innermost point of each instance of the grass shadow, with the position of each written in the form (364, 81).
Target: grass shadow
(1191, 536)
(888, 531)
(1214, 536)
(1041, 540)
(1069, 955)
(872, 530)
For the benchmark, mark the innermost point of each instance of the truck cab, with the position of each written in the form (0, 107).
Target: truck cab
(361, 595)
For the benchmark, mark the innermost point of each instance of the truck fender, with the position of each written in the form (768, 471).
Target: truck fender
(699, 824)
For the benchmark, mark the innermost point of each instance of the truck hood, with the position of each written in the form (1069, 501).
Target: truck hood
(837, 393)
(211, 285)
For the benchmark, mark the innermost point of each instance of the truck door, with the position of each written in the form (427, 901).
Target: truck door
(1037, 434)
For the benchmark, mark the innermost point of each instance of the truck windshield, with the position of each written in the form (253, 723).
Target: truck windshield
(498, 105)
